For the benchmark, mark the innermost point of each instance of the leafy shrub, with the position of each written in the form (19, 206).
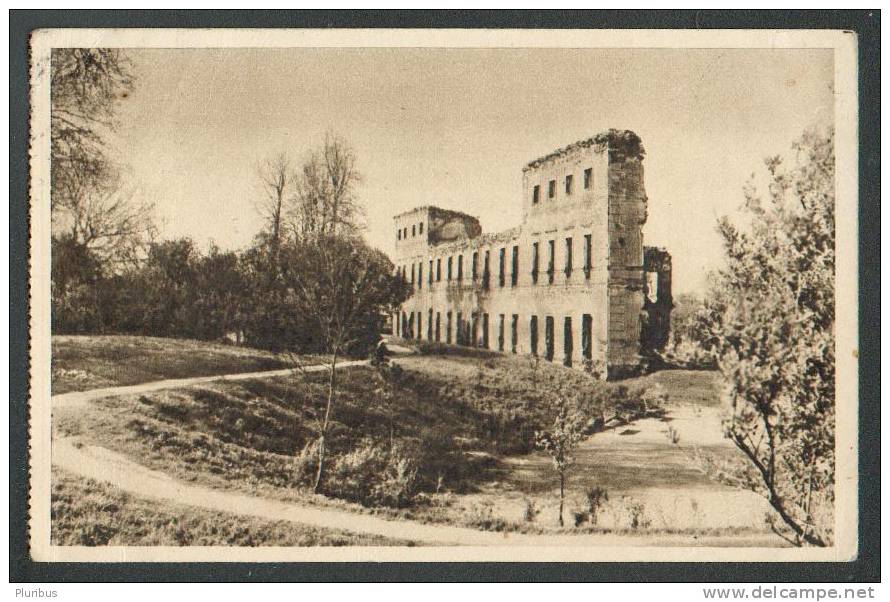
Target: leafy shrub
(306, 463)
(397, 485)
(374, 476)
(595, 368)
(634, 512)
(595, 498)
(481, 516)
(653, 397)
(531, 511)
(626, 403)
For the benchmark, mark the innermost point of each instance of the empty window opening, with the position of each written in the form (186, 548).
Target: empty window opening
(568, 267)
(448, 276)
(460, 267)
(536, 194)
(501, 261)
(439, 270)
(420, 275)
(429, 326)
(568, 343)
(548, 338)
(533, 334)
(430, 275)
(501, 332)
(514, 267)
(474, 336)
(458, 329)
(420, 228)
(652, 286)
(588, 178)
(551, 189)
(535, 262)
(438, 327)
(587, 336)
(448, 327)
(569, 182)
(475, 267)
(514, 333)
(485, 341)
(419, 325)
(588, 259)
(398, 235)
(551, 260)
(413, 232)
(486, 269)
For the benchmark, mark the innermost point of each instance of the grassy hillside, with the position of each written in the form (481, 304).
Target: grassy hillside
(251, 433)
(87, 513)
(449, 440)
(80, 363)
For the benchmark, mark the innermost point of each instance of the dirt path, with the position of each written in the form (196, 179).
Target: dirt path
(79, 398)
(103, 465)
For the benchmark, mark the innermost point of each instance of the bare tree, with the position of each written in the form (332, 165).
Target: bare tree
(277, 179)
(326, 202)
(91, 207)
(86, 86)
(109, 221)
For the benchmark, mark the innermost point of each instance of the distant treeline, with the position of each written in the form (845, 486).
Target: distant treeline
(254, 297)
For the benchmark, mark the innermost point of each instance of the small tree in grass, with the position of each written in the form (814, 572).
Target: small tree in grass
(345, 287)
(561, 439)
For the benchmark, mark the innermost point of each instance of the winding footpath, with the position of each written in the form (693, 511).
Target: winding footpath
(103, 465)
(79, 398)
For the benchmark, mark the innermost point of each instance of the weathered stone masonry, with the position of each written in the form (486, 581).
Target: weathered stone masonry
(573, 283)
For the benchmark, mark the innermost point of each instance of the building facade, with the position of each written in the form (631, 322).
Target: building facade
(572, 283)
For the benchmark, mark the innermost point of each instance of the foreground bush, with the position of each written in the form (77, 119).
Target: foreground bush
(374, 475)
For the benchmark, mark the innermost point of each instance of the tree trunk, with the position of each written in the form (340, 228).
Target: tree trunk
(332, 383)
(562, 495)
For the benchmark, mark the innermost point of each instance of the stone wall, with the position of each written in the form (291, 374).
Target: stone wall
(627, 215)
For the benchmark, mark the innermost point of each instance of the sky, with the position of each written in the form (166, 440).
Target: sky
(454, 127)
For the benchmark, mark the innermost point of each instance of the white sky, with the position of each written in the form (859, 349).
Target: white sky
(453, 127)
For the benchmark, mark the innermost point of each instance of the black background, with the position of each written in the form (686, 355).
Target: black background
(866, 24)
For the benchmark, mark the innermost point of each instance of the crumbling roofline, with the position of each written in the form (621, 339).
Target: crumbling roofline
(434, 209)
(625, 142)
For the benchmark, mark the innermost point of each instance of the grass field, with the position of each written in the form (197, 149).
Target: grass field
(80, 363)
(466, 423)
(88, 513)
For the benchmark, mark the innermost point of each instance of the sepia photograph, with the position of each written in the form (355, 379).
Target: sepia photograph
(443, 295)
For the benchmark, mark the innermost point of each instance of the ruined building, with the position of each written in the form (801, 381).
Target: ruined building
(573, 283)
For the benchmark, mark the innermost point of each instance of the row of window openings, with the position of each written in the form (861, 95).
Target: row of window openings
(467, 332)
(417, 270)
(569, 186)
(416, 230)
